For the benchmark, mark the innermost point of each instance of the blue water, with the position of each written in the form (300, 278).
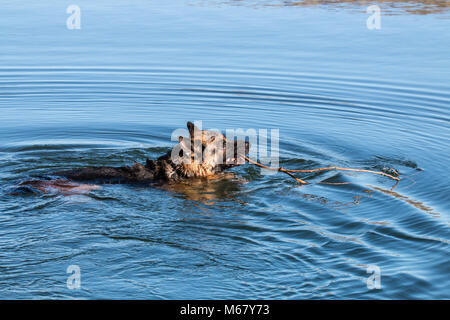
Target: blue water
(113, 91)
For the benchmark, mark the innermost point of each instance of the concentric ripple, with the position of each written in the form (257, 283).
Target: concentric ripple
(111, 97)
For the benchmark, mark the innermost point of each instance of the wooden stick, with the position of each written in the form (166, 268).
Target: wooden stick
(290, 174)
(290, 171)
(281, 169)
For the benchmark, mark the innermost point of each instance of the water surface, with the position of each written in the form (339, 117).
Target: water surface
(340, 95)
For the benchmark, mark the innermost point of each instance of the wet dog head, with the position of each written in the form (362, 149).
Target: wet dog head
(207, 152)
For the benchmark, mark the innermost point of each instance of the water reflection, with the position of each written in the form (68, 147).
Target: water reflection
(388, 6)
(417, 204)
(334, 204)
(207, 190)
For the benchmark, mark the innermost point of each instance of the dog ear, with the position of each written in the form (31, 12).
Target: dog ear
(185, 144)
(211, 140)
(192, 129)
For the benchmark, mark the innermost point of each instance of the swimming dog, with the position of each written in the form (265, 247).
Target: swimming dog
(203, 154)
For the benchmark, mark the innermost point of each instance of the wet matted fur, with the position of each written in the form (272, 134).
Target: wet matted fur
(204, 153)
